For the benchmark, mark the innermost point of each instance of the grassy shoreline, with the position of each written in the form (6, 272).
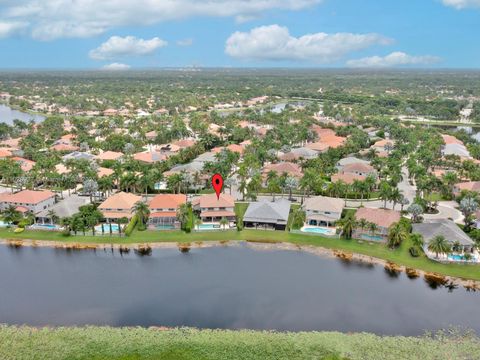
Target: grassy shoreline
(399, 256)
(188, 343)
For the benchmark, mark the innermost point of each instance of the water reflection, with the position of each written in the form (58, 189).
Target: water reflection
(222, 287)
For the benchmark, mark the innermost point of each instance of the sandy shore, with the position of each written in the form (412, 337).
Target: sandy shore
(259, 246)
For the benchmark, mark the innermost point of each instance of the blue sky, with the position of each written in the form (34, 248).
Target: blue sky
(237, 33)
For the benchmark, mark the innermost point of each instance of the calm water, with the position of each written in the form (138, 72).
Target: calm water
(7, 115)
(223, 287)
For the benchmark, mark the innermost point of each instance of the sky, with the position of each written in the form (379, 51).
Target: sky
(133, 34)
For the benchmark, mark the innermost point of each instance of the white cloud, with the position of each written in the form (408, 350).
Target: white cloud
(117, 47)
(116, 67)
(10, 28)
(51, 19)
(185, 42)
(462, 4)
(275, 43)
(397, 58)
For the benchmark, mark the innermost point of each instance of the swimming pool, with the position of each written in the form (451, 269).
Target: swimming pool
(458, 257)
(3, 224)
(165, 227)
(208, 227)
(106, 228)
(318, 230)
(45, 227)
(371, 237)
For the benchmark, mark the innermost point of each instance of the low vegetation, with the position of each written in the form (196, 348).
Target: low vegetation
(186, 343)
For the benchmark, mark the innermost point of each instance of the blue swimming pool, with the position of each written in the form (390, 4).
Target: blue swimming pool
(458, 257)
(165, 227)
(3, 224)
(371, 237)
(318, 230)
(45, 227)
(208, 227)
(106, 228)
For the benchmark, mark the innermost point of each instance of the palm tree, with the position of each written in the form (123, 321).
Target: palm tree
(373, 228)
(52, 216)
(415, 210)
(395, 196)
(348, 224)
(439, 245)
(120, 222)
(396, 235)
(417, 240)
(197, 222)
(142, 211)
(468, 206)
(385, 193)
(11, 214)
(183, 214)
(362, 224)
(223, 222)
(291, 183)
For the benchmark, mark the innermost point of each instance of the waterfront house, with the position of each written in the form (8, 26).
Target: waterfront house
(382, 218)
(212, 209)
(28, 200)
(429, 229)
(267, 214)
(118, 206)
(322, 210)
(163, 211)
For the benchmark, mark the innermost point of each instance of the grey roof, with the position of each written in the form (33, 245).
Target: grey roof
(268, 212)
(304, 152)
(67, 207)
(192, 167)
(352, 160)
(77, 155)
(456, 149)
(208, 156)
(447, 228)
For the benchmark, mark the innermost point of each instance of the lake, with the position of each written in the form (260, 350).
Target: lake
(7, 115)
(222, 287)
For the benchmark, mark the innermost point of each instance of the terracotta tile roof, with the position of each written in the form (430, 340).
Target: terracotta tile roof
(121, 200)
(382, 143)
(184, 143)
(12, 143)
(150, 157)
(347, 178)
(102, 172)
(167, 201)
(4, 153)
(469, 185)
(27, 196)
(109, 155)
(216, 213)
(449, 139)
(25, 164)
(358, 167)
(381, 217)
(64, 147)
(62, 169)
(233, 148)
(163, 214)
(284, 167)
(210, 201)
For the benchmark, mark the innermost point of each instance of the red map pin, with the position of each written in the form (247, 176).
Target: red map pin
(217, 183)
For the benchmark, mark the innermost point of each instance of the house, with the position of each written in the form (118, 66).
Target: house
(382, 218)
(78, 155)
(25, 164)
(360, 169)
(348, 179)
(446, 228)
(233, 148)
(212, 209)
(110, 112)
(118, 206)
(65, 208)
(322, 210)
(326, 139)
(150, 157)
(163, 211)
(383, 147)
(285, 167)
(466, 186)
(299, 153)
(267, 214)
(28, 200)
(109, 155)
(350, 160)
(151, 135)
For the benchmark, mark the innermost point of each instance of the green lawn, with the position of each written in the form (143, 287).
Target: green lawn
(21, 343)
(400, 256)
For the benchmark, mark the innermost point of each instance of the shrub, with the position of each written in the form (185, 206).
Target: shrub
(131, 225)
(413, 252)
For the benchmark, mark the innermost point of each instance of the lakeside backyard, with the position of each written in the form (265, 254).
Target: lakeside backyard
(400, 255)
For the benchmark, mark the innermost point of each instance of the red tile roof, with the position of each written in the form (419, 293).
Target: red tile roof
(381, 217)
(167, 201)
(27, 196)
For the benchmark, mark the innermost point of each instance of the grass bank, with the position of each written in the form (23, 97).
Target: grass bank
(400, 255)
(184, 344)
